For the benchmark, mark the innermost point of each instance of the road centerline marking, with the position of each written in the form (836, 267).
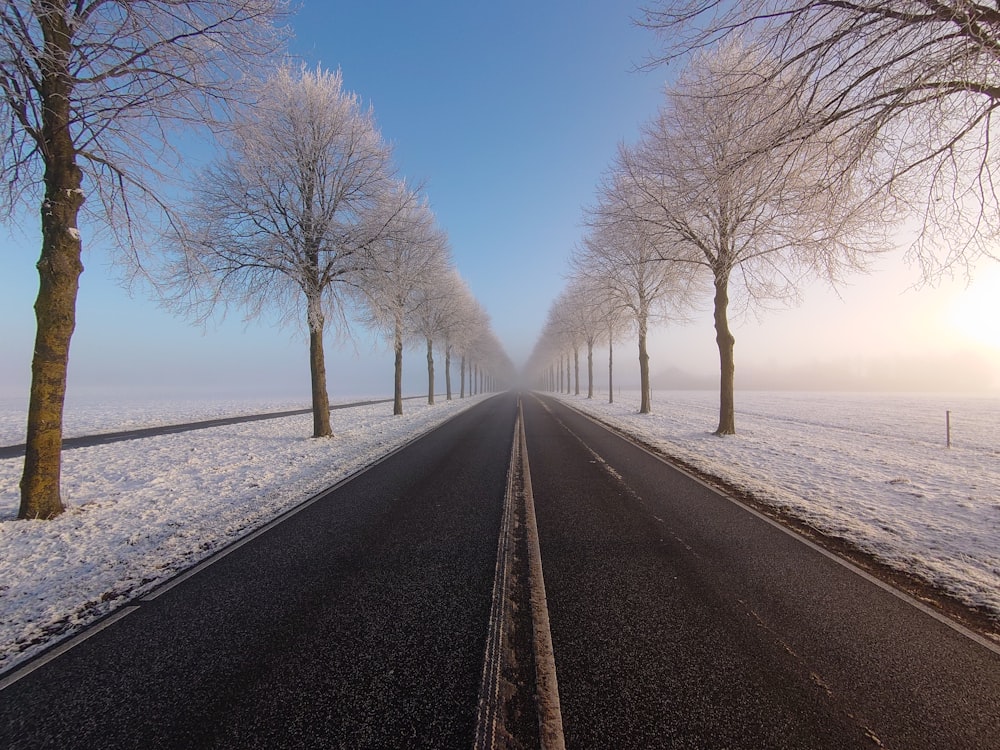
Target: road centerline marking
(550, 726)
(515, 664)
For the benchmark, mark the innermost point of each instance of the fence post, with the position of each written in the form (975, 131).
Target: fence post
(947, 424)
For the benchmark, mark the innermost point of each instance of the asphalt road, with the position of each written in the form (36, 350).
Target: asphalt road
(359, 622)
(681, 620)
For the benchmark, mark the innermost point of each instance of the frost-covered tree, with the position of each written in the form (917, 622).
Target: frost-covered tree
(623, 255)
(592, 310)
(89, 92)
(292, 215)
(717, 188)
(551, 352)
(564, 326)
(494, 368)
(478, 345)
(576, 317)
(917, 79)
(411, 256)
(457, 318)
(474, 322)
(607, 310)
(434, 299)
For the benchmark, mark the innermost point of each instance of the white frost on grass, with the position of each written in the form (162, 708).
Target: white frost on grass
(871, 468)
(140, 511)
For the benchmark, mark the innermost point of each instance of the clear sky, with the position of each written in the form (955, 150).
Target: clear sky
(508, 113)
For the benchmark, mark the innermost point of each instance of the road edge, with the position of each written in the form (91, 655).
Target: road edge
(67, 640)
(912, 589)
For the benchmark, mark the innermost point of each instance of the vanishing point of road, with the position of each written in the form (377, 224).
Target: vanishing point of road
(519, 577)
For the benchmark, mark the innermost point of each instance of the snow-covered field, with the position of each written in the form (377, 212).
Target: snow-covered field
(92, 416)
(140, 511)
(871, 468)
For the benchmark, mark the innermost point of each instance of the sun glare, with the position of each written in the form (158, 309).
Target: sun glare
(975, 313)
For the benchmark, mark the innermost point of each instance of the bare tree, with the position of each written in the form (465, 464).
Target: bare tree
(480, 348)
(410, 257)
(600, 316)
(917, 78)
(457, 318)
(623, 255)
(291, 216)
(494, 368)
(613, 314)
(594, 312)
(720, 189)
(435, 298)
(88, 91)
(472, 322)
(564, 328)
(556, 342)
(581, 314)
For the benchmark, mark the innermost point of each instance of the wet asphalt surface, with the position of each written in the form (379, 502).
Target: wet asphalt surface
(680, 620)
(359, 622)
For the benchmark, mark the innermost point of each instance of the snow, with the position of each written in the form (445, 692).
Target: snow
(95, 415)
(871, 468)
(138, 512)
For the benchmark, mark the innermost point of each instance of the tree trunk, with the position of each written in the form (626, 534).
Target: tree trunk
(447, 370)
(644, 405)
(727, 363)
(59, 267)
(590, 368)
(397, 388)
(317, 370)
(461, 377)
(576, 370)
(430, 372)
(611, 370)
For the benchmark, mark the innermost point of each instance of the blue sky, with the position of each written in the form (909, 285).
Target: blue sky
(508, 113)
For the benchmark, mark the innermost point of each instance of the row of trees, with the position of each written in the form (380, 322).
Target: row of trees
(793, 143)
(302, 212)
